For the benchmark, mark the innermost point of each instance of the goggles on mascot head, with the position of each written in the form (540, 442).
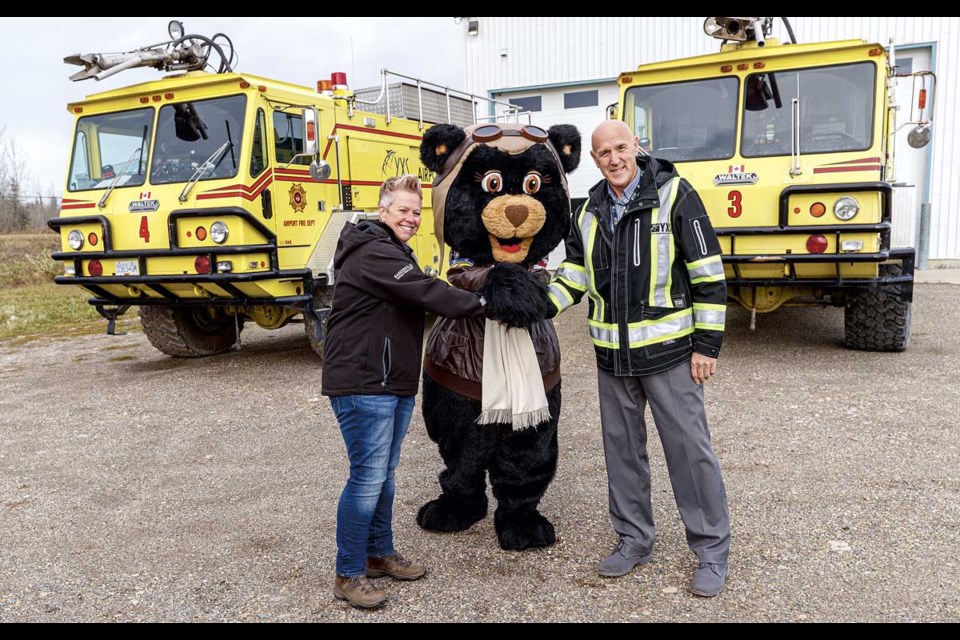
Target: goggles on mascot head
(493, 131)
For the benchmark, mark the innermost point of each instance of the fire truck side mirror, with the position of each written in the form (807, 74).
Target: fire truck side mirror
(311, 143)
(919, 137)
(320, 170)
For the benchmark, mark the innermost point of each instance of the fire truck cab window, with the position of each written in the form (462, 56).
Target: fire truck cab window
(836, 110)
(686, 121)
(288, 137)
(111, 149)
(258, 153)
(202, 138)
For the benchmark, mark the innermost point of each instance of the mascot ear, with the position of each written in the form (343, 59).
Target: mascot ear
(566, 140)
(438, 143)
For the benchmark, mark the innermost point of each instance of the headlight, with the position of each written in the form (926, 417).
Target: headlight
(219, 232)
(75, 240)
(846, 208)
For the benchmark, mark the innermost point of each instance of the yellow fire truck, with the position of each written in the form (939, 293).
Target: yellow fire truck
(791, 147)
(208, 199)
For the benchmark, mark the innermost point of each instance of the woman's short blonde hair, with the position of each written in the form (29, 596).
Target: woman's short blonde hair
(390, 187)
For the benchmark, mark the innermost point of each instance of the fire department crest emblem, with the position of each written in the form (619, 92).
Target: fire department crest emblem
(298, 198)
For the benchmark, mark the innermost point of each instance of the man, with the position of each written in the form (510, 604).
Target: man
(644, 251)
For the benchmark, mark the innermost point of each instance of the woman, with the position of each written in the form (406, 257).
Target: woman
(371, 371)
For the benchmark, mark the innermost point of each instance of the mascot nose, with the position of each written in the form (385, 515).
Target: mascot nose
(517, 214)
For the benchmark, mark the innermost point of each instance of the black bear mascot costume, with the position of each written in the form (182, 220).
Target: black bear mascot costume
(491, 390)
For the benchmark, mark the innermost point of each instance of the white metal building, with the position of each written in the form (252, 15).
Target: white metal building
(565, 69)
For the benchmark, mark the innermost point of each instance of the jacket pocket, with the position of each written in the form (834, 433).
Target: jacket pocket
(451, 346)
(387, 361)
(700, 238)
(546, 354)
(668, 347)
(636, 243)
(655, 313)
(602, 252)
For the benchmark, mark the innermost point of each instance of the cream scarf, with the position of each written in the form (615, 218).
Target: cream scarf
(512, 385)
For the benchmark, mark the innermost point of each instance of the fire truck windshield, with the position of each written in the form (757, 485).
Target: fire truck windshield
(836, 110)
(109, 145)
(188, 133)
(685, 121)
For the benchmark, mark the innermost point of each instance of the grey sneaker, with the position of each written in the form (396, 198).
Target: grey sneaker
(622, 561)
(709, 579)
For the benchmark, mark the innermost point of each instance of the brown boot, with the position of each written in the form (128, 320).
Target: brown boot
(359, 592)
(395, 566)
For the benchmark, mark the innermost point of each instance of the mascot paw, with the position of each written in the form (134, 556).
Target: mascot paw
(445, 514)
(526, 531)
(515, 297)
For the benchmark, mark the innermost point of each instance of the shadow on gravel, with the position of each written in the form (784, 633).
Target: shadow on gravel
(786, 328)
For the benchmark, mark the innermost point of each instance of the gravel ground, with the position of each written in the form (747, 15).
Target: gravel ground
(136, 487)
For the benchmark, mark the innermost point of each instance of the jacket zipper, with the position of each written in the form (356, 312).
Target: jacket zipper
(636, 242)
(703, 243)
(387, 361)
(614, 281)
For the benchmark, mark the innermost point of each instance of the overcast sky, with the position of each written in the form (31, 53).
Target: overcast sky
(35, 87)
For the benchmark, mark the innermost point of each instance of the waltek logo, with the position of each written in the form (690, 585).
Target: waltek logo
(736, 174)
(141, 206)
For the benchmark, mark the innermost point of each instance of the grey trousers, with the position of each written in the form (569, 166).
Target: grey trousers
(676, 402)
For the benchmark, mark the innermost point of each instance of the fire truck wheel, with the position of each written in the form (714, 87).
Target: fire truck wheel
(188, 333)
(322, 300)
(878, 320)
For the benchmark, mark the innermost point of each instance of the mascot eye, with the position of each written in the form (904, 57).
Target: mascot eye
(492, 182)
(531, 184)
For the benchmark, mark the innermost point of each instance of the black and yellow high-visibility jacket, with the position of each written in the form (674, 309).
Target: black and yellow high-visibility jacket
(655, 283)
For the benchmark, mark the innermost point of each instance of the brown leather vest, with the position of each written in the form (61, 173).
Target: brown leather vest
(454, 356)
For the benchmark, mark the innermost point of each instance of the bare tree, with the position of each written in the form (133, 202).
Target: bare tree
(21, 207)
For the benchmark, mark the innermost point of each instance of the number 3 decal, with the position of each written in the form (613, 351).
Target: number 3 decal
(736, 199)
(145, 229)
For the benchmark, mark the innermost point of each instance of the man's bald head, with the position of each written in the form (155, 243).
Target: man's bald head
(615, 150)
(609, 128)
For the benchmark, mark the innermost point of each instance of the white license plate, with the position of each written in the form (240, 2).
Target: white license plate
(127, 268)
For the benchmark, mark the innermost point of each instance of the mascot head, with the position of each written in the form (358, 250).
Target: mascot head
(501, 189)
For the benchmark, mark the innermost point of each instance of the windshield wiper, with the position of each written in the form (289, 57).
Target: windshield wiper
(116, 179)
(123, 170)
(202, 170)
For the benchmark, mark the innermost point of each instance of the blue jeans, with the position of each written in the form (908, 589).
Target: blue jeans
(373, 428)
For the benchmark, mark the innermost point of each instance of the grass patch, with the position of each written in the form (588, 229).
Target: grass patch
(49, 310)
(31, 306)
(26, 259)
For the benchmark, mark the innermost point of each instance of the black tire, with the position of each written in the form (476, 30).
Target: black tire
(188, 333)
(878, 320)
(322, 299)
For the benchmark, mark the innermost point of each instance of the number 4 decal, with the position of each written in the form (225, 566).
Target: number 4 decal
(145, 229)
(736, 200)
